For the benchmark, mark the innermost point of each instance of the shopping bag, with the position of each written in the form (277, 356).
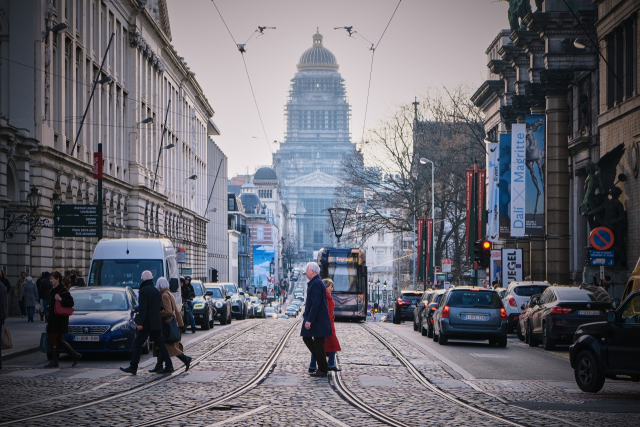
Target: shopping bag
(44, 342)
(170, 331)
(6, 339)
(37, 306)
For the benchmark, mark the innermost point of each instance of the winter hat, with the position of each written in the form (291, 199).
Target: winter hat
(146, 275)
(29, 279)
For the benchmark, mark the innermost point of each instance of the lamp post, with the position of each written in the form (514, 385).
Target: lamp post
(338, 220)
(31, 219)
(433, 215)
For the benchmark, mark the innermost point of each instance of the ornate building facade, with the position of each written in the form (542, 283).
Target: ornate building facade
(309, 161)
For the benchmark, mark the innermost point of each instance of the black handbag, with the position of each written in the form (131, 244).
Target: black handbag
(170, 331)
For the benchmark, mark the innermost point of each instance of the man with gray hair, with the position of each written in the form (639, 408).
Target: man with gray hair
(149, 325)
(317, 324)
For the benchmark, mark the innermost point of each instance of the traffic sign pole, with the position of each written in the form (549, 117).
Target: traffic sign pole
(100, 193)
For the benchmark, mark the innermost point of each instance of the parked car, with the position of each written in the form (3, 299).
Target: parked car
(519, 293)
(103, 320)
(470, 314)
(370, 317)
(633, 284)
(561, 310)
(523, 320)
(419, 307)
(609, 349)
(426, 320)
(203, 307)
(403, 306)
(221, 302)
(239, 305)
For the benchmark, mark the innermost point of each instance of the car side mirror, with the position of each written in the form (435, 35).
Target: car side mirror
(241, 293)
(611, 317)
(615, 303)
(174, 285)
(209, 293)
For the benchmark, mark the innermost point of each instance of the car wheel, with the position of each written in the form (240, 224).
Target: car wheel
(435, 337)
(429, 331)
(205, 323)
(519, 332)
(442, 340)
(211, 321)
(587, 373)
(533, 341)
(415, 326)
(547, 342)
(502, 342)
(423, 331)
(493, 342)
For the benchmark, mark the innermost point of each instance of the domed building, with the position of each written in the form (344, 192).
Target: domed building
(308, 163)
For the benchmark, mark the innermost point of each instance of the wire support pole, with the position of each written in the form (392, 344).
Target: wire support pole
(95, 83)
(164, 130)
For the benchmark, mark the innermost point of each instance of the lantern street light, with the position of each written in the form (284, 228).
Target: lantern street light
(338, 220)
(31, 219)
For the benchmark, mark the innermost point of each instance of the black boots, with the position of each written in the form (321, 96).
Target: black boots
(54, 358)
(157, 368)
(129, 370)
(74, 354)
(186, 360)
(42, 316)
(193, 330)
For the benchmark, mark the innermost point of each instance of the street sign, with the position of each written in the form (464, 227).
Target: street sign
(76, 221)
(602, 272)
(602, 261)
(601, 238)
(75, 210)
(75, 231)
(601, 254)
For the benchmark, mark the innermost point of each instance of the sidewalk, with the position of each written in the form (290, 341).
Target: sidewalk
(25, 336)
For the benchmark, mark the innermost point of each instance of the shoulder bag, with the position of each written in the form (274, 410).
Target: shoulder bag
(61, 311)
(170, 331)
(6, 339)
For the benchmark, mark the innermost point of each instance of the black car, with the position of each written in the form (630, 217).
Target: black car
(203, 307)
(561, 310)
(403, 306)
(417, 310)
(221, 302)
(609, 349)
(426, 319)
(239, 304)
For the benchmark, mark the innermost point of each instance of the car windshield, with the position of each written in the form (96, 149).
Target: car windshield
(528, 291)
(269, 310)
(344, 278)
(197, 288)
(415, 297)
(216, 292)
(123, 272)
(96, 300)
(231, 288)
(254, 300)
(474, 299)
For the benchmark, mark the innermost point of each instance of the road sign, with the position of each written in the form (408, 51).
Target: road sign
(75, 210)
(602, 254)
(602, 261)
(601, 238)
(602, 272)
(75, 231)
(76, 221)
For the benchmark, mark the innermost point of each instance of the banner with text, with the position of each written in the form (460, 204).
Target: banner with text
(430, 249)
(511, 266)
(469, 198)
(481, 212)
(493, 196)
(419, 261)
(535, 177)
(495, 268)
(504, 192)
(518, 185)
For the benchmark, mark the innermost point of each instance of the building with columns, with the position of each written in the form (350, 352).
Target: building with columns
(51, 52)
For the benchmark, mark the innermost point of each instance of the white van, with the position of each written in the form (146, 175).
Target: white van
(120, 262)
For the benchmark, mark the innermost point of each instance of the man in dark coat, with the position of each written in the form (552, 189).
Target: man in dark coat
(149, 325)
(317, 324)
(44, 288)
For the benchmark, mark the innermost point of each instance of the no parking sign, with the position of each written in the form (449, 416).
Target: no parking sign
(601, 238)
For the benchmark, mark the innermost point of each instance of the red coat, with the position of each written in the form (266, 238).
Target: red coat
(331, 343)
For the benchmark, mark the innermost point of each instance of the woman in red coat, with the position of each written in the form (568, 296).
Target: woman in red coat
(331, 344)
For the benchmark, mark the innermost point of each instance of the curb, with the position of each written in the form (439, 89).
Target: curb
(20, 353)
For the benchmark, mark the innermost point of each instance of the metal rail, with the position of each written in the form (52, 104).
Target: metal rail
(138, 388)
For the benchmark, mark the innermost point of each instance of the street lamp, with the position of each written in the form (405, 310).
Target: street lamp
(56, 199)
(424, 161)
(31, 219)
(338, 220)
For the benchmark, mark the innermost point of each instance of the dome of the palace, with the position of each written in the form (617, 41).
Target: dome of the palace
(317, 57)
(265, 174)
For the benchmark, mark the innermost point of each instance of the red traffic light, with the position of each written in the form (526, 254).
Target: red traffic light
(486, 244)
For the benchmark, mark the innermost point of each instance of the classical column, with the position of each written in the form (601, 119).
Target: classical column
(557, 176)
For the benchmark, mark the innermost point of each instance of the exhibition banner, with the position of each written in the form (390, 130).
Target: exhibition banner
(263, 256)
(495, 268)
(535, 176)
(518, 185)
(493, 186)
(511, 266)
(504, 192)
(469, 198)
(419, 253)
(482, 224)
(430, 248)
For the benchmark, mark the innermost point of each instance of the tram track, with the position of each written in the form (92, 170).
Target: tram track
(136, 389)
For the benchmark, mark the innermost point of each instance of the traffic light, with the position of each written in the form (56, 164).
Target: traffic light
(214, 276)
(482, 254)
(477, 250)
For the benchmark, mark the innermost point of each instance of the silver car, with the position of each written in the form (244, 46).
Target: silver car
(471, 314)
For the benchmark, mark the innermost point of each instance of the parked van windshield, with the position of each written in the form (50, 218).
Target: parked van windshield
(123, 272)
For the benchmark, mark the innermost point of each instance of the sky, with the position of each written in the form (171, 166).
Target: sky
(428, 44)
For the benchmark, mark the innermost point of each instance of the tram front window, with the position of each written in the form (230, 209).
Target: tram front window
(345, 279)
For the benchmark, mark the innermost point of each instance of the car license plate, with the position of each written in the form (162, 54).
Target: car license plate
(474, 317)
(589, 312)
(87, 338)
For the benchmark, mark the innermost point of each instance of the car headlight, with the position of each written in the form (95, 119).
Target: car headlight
(218, 304)
(120, 326)
(275, 316)
(198, 306)
(258, 308)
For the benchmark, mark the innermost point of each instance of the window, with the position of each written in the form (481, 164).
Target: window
(622, 58)
(260, 232)
(379, 257)
(631, 313)
(317, 236)
(380, 236)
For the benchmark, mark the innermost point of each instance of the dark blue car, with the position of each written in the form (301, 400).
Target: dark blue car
(103, 320)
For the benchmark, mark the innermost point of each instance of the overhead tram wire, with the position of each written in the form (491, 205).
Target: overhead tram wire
(241, 49)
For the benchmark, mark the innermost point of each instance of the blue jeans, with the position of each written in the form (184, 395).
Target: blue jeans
(332, 361)
(44, 304)
(30, 311)
(156, 338)
(189, 307)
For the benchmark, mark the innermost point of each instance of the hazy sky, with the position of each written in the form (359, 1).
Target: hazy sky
(428, 44)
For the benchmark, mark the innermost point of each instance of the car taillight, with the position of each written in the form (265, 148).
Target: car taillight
(561, 310)
(445, 312)
(512, 302)
(433, 308)
(503, 314)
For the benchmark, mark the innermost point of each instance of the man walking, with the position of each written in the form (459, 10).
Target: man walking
(316, 324)
(149, 325)
(188, 294)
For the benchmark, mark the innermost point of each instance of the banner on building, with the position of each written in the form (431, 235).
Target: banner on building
(504, 192)
(493, 196)
(263, 256)
(535, 176)
(419, 261)
(495, 268)
(481, 212)
(511, 266)
(446, 266)
(423, 252)
(469, 199)
(429, 233)
(518, 176)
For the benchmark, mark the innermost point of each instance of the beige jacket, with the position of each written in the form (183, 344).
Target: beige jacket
(169, 308)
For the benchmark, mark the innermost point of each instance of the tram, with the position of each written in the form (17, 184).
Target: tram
(348, 270)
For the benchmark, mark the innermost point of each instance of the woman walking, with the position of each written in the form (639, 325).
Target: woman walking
(331, 344)
(168, 312)
(58, 324)
(29, 297)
